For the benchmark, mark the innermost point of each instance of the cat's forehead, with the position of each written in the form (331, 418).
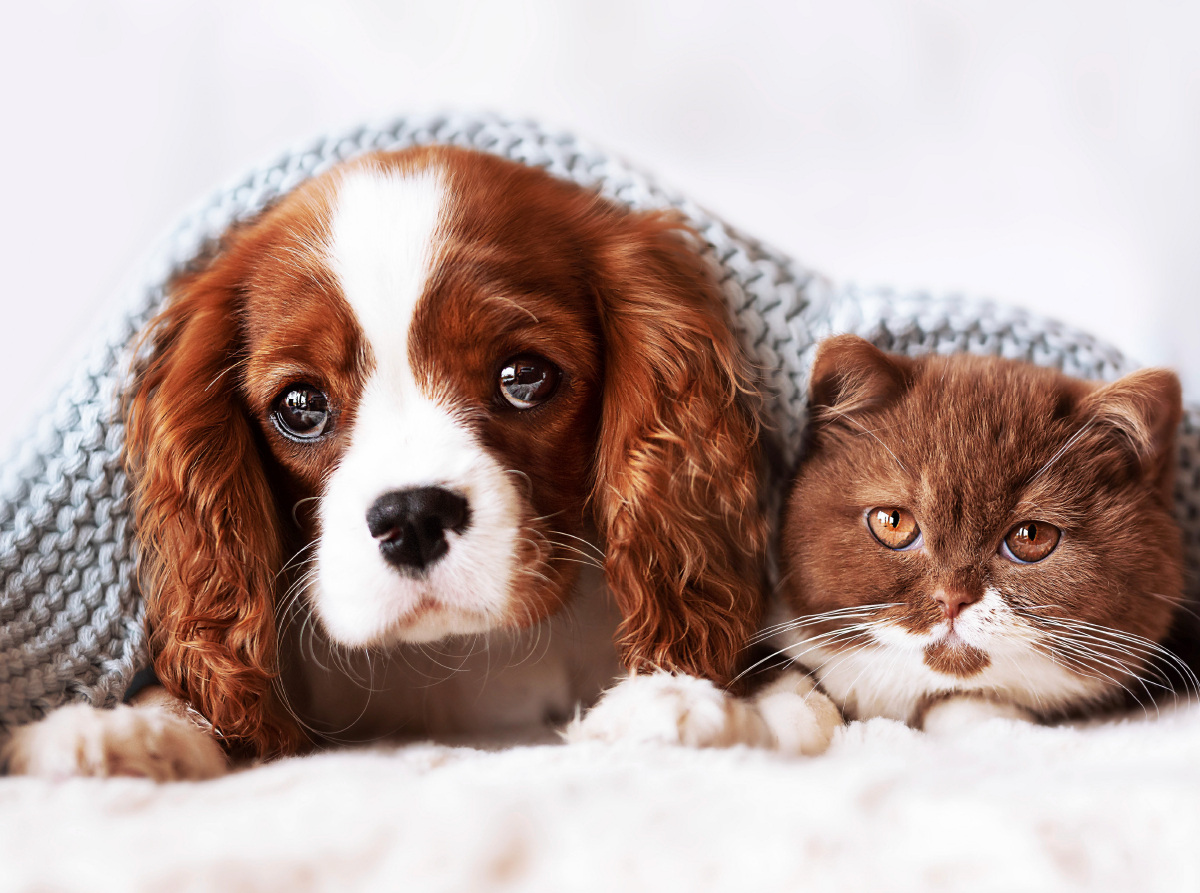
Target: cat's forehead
(982, 415)
(966, 440)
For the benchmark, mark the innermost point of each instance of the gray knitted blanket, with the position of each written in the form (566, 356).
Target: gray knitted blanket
(70, 611)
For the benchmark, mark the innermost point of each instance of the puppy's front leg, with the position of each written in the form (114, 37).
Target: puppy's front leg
(668, 708)
(801, 717)
(789, 715)
(153, 737)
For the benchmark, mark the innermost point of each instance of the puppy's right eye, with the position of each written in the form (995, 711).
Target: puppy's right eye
(301, 412)
(894, 527)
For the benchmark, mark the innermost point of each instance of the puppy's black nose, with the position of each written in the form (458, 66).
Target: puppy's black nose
(411, 525)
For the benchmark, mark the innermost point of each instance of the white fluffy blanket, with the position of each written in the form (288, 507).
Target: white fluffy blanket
(1003, 806)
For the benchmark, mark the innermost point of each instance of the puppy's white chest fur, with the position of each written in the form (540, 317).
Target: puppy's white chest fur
(503, 680)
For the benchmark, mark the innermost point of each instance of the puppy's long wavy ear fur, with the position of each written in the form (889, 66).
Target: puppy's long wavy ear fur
(207, 525)
(677, 496)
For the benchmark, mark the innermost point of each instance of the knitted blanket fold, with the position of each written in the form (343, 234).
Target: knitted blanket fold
(70, 609)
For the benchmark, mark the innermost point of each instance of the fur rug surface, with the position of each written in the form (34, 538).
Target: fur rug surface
(999, 806)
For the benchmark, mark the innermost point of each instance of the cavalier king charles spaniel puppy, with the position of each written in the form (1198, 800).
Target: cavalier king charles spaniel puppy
(436, 444)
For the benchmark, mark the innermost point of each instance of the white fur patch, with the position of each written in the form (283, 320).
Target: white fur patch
(384, 243)
(890, 678)
(801, 718)
(148, 742)
(663, 708)
(957, 714)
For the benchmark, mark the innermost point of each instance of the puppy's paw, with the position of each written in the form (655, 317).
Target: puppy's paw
(802, 719)
(666, 709)
(147, 742)
(957, 713)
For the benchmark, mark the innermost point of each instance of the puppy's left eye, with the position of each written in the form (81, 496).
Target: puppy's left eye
(527, 380)
(301, 412)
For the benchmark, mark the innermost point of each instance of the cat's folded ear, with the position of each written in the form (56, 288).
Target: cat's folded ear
(851, 375)
(1139, 414)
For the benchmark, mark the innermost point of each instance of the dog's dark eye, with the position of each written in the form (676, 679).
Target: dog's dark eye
(301, 412)
(527, 380)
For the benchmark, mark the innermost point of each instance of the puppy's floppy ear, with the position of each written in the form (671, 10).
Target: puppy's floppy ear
(207, 527)
(850, 375)
(1137, 417)
(676, 495)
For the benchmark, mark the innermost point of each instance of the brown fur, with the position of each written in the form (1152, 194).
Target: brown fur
(652, 435)
(972, 446)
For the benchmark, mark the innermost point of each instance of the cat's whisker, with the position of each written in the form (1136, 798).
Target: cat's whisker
(833, 410)
(1160, 652)
(807, 620)
(837, 612)
(1085, 663)
(873, 656)
(1132, 644)
(1086, 647)
(823, 640)
(1062, 450)
(1074, 665)
(1178, 604)
(1089, 657)
(1144, 650)
(813, 641)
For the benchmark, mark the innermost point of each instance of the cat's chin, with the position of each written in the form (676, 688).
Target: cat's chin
(951, 656)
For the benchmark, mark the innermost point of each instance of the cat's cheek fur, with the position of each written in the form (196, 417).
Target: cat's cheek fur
(894, 681)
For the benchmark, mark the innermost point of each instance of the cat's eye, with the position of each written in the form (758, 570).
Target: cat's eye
(301, 412)
(895, 528)
(527, 380)
(1030, 542)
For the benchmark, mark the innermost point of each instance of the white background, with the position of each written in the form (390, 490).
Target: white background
(1041, 153)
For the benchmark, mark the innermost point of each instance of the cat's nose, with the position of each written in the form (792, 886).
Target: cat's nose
(954, 600)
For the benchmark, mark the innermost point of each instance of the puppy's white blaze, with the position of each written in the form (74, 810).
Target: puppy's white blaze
(892, 678)
(385, 236)
(384, 242)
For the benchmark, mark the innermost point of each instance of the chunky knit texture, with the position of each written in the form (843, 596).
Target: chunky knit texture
(70, 610)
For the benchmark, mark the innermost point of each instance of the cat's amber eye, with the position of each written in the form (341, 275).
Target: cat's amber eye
(1030, 541)
(894, 527)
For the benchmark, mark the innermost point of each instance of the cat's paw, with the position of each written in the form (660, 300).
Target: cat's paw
(802, 719)
(663, 708)
(148, 742)
(960, 712)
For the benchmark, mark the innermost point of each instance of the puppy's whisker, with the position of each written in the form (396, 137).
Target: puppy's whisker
(300, 502)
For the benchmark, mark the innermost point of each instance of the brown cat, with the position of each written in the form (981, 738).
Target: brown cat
(971, 535)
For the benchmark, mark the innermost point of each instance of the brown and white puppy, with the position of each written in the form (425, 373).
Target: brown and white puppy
(414, 394)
